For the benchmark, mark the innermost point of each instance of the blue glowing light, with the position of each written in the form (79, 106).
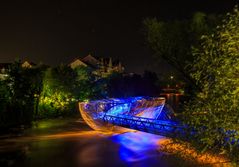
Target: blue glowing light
(144, 114)
(137, 146)
(137, 113)
(119, 109)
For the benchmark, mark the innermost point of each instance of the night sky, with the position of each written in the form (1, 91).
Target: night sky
(59, 31)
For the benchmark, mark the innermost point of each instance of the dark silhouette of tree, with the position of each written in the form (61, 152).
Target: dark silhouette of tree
(22, 86)
(119, 85)
(172, 41)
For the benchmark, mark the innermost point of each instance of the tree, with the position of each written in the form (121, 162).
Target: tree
(119, 85)
(4, 103)
(23, 86)
(87, 86)
(216, 72)
(57, 96)
(64, 87)
(172, 41)
(37, 85)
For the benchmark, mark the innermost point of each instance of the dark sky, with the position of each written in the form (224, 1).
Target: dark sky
(58, 31)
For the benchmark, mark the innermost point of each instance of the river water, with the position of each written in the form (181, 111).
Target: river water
(71, 143)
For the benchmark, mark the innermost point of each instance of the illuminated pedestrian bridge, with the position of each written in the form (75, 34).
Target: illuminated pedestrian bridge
(138, 113)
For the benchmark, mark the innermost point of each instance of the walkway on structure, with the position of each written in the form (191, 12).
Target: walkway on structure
(139, 113)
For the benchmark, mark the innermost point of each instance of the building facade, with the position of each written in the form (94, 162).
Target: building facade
(101, 66)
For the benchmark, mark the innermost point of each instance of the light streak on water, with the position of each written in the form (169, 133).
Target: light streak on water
(137, 146)
(140, 146)
(133, 147)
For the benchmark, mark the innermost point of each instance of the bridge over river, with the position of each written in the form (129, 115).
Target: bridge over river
(147, 114)
(139, 113)
(70, 142)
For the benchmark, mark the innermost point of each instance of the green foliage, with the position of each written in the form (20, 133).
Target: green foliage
(172, 41)
(87, 86)
(216, 70)
(4, 102)
(63, 87)
(168, 39)
(56, 97)
(42, 92)
(18, 96)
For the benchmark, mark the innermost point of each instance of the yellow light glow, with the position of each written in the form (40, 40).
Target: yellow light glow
(99, 125)
(187, 152)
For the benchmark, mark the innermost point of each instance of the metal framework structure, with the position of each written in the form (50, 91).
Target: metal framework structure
(161, 127)
(139, 113)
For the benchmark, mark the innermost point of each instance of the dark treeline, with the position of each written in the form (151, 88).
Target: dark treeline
(18, 91)
(28, 94)
(120, 85)
(172, 41)
(40, 92)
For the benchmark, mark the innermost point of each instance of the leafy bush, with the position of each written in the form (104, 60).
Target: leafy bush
(18, 94)
(63, 87)
(215, 111)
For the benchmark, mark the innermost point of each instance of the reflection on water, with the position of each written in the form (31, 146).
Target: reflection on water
(174, 100)
(137, 146)
(73, 144)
